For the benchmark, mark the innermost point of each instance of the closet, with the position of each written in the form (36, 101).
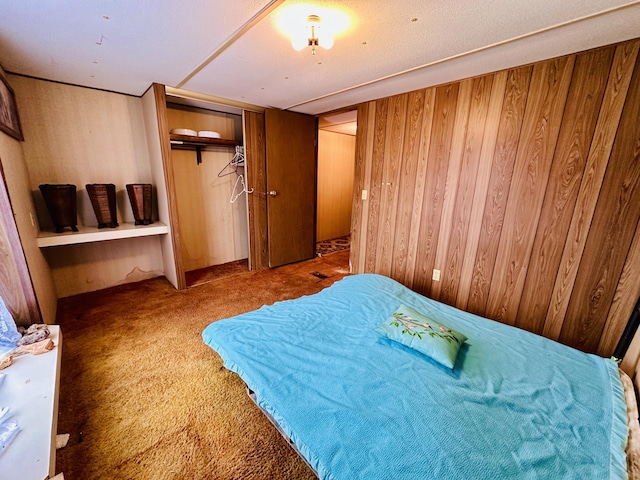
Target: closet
(210, 189)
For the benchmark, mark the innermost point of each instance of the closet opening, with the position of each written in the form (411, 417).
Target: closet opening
(336, 164)
(210, 189)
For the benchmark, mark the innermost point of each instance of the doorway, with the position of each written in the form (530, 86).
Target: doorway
(210, 199)
(336, 164)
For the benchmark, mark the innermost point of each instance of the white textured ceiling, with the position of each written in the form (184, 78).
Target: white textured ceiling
(236, 50)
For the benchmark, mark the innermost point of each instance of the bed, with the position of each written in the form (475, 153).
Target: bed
(359, 404)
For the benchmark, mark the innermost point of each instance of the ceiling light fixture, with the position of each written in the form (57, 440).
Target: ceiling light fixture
(312, 35)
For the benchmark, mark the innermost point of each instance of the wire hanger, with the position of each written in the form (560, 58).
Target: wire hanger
(234, 163)
(234, 195)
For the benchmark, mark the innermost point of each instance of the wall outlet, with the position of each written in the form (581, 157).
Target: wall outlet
(365, 194)
(436, 275)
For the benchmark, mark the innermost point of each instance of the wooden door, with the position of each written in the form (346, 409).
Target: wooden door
(16, 288)
(291, 186)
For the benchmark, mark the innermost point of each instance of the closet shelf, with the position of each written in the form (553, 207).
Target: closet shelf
(95, 234)
(187, 142)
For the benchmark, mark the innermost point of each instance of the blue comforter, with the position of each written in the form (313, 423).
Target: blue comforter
(359, 406)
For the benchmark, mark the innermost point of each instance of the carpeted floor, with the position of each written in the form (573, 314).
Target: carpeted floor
(142, 397)
(215, 272)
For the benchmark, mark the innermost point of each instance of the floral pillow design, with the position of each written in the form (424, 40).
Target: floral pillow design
(415, 330)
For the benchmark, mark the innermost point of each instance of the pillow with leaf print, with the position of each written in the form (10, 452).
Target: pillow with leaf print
(415, 330)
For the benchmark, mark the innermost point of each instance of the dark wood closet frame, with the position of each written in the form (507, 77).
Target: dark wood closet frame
(254, 136)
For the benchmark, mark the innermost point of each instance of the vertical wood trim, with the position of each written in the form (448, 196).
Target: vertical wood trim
(406, 183)
(420, 181)
(624, 299)
(581, 112)
(489, 140)
(458, 148)
(257, 182)
(165, 147)
(357, 203)
(599, 152)
(367, 183)
(439, 151)
(511, 119)
(392, 160)
(543, 119)
(611, 232)
(375, 189)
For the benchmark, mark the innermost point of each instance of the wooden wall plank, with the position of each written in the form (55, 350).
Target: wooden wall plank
(454, 247)
(359, 166)
(463, 106)
(611, 233)
(489, 141)
(436, 177)
(581, 112)
(375, 187)
(420, 182)
(406, 184)
(392, 161)
(624, 299)
(515, 101)
(543, 118)
(599, 152)
(367, 185)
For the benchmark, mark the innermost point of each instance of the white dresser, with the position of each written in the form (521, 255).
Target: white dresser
(30, 389)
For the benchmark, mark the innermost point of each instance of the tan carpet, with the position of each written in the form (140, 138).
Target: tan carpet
(142, 397)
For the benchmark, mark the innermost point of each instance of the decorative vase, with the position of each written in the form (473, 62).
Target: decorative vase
(60, 200)
(103, 201)
(140, 198)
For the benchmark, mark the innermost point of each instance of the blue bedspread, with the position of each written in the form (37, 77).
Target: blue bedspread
(358, 406)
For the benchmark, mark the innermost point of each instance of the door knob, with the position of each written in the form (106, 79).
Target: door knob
(273, 193)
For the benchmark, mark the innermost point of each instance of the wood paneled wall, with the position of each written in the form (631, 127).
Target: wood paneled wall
(522, 187)
(336, 153)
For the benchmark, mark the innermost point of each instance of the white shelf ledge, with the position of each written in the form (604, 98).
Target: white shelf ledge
(95, 234)
(30, 390)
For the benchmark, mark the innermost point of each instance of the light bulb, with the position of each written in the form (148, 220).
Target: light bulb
(325, 41)
(298, 42)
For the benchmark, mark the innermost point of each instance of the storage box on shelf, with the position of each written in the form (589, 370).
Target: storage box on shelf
(88, 234)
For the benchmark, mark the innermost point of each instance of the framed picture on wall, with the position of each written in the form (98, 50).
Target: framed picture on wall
(9, 120)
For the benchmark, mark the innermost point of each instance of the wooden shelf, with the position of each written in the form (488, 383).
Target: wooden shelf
(187, 141)
(95, 234)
